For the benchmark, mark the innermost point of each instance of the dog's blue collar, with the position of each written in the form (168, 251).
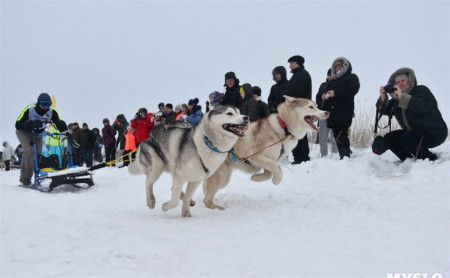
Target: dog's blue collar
(212, 147)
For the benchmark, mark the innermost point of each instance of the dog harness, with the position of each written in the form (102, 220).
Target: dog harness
(283, 126)
(152, 143)
(234, 157)
(212, 147)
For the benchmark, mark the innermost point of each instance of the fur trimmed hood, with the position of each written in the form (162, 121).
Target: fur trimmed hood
(347, 68)
(411, 78)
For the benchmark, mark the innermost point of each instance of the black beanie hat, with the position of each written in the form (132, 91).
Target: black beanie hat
(44, 98)
(257, 90)
(230, 75)
(297, 58)
(169, 105)
(193, 102)
(160, 104)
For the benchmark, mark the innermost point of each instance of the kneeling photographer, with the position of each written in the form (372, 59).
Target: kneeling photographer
(416, 110)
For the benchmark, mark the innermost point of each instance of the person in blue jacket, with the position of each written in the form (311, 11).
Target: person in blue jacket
(195, 114)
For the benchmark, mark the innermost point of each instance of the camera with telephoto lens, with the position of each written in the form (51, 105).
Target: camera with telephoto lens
(389, 89)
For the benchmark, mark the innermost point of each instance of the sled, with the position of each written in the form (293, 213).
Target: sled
(62, 173)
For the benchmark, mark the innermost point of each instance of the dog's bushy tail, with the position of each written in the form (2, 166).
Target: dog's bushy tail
(133, 167)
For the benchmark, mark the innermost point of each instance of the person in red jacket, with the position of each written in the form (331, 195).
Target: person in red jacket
(143, 123)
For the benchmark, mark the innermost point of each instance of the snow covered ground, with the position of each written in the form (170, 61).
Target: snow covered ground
(364, 217)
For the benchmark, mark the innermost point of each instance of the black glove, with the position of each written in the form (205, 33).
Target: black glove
(61, 125)
(36, 125)
(29, 126)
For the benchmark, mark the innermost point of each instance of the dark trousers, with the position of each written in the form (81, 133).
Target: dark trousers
(88, 157)
(301, 151)
(415, 143)
(340, 133)
(7, 163)
(76, 156)
(98, 155)
(126, 158)
(110, 153)
(133, 155)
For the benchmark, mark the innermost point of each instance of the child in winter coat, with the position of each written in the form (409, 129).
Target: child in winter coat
(130, 145)
(8, 153)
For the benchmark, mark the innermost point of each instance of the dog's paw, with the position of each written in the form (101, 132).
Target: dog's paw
(185, 213)
(276, 179)
(260, 177)
(277, 176)
(218, 207)
(166, 206)
(213, 206)
(151, 203)
(192, 203)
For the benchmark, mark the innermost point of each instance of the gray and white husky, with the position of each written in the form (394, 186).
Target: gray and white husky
(282, 130)
(190, 154)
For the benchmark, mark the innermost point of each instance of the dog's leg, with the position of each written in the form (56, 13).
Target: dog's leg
(152, 176)
(176, 191)
(191, 203)
(268, 165)
(262, 176)
(151, 201)
(190, 190)
(217, 181)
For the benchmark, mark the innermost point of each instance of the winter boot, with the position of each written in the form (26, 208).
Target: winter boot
(26, 182)
(424, 154)
(344, 152)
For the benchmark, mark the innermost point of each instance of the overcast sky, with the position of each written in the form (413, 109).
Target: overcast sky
(103, 58)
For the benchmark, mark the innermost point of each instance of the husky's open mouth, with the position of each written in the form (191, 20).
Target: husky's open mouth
(238, 130)
(310, 119)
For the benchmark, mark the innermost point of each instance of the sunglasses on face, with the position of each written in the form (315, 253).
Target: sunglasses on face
(45, 104)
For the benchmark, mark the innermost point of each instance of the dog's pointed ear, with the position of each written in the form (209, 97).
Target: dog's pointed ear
(289, 99)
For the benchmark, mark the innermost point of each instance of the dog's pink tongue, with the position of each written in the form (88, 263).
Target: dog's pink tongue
(310, 121)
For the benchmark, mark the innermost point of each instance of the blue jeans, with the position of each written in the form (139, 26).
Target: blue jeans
(88, 155)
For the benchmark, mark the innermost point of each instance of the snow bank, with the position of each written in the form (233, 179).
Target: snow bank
(363, 217)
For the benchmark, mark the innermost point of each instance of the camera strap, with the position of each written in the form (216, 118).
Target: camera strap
(378, 116)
